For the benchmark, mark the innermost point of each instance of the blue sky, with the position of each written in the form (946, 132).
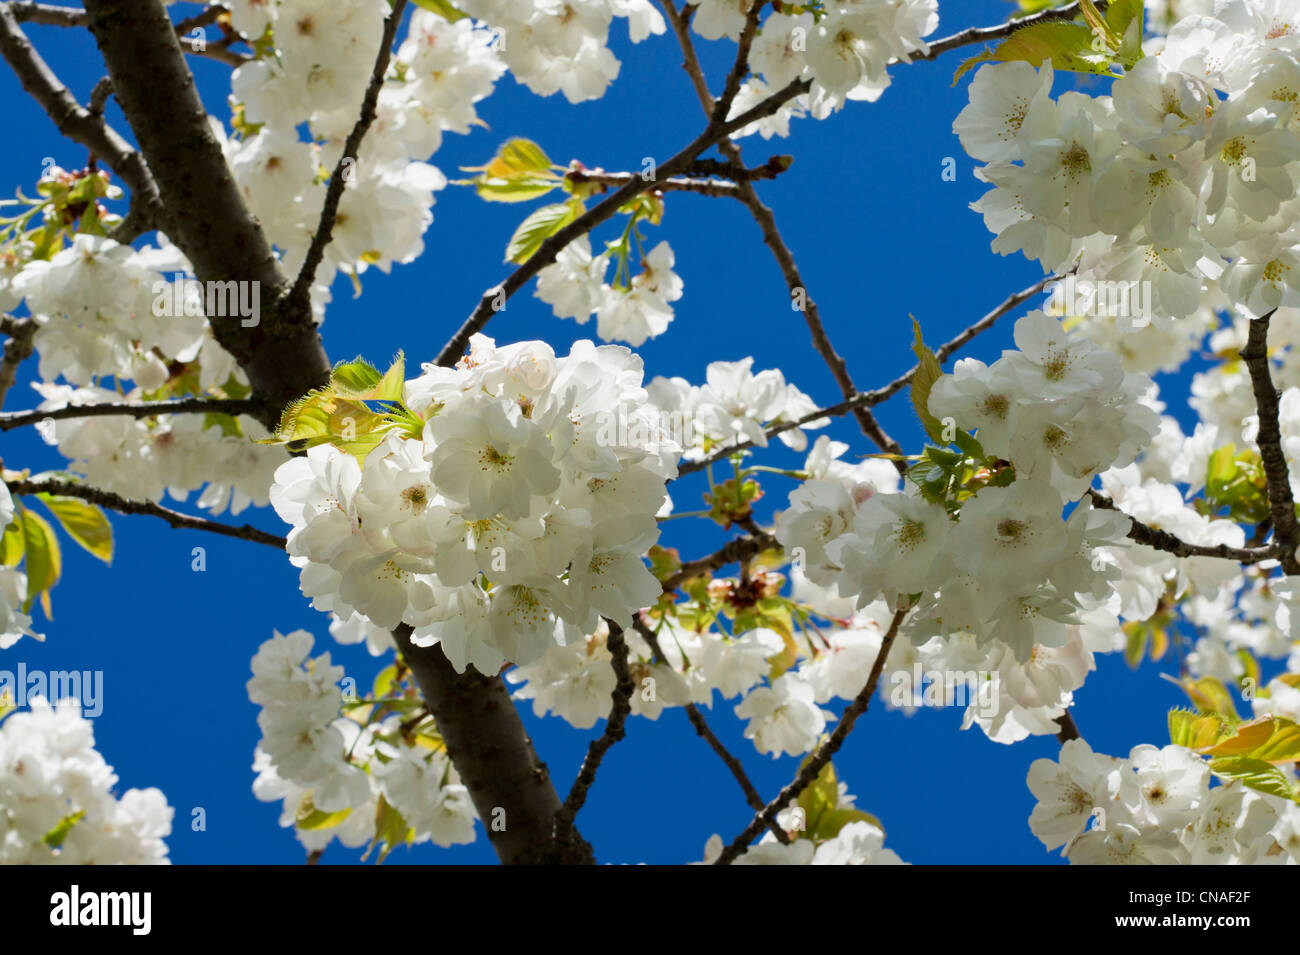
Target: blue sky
(877, 233)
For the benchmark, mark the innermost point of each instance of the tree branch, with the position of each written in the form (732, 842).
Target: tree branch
(614, 731)
(1286, 534)
(703, 730)
(146, 409)
(116, 502)
(1162, 540)
(207, 217)
(300, 294)
(708, 187)
(18, 348)
(810, 770)
(495, 758)
(493, 300)
(75, 122)
(741, 548)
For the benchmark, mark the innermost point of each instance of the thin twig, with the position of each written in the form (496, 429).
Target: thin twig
(1286, 533)
(146, 409)
(614, 731)
(116, 502)
(703, 730)
(813, 767)
(343, 169)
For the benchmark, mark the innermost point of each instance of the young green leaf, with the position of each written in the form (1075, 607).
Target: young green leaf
(84, 522)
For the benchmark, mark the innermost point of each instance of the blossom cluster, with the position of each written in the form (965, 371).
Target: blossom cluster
(56, 796)
(1182, 178)
(519, 511)
(1156, 808)
(335, 769)
(1011, 569)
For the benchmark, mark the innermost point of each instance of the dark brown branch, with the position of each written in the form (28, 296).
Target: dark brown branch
(1068, 729)
(206, 215)
(742, 548)
(494, 757)
(708, 187)
(300, 294)
(17, 350)
(703, 730)
(1162, 540)
(146, 409)
(116, 502)
(1286, 534)
(615, 730)
(810, 770)
(740, 65)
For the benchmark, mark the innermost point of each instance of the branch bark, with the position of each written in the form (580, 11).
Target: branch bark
(206, 215)
(1286, 533)
(145, 409)
(495, 758)
(115, 502)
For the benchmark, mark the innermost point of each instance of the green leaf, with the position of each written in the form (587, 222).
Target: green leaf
(443, 9)
(391, 830)
(927, 373)
(44, 563)
(1255, 773)
(1067, 44)
(1125, 19)
(310, 818)
(518, 172)
(1196, 730)
(11, 544)
(84, 522)
(54, 838)
(1209, 695)
(540, 225)
(1271, 739)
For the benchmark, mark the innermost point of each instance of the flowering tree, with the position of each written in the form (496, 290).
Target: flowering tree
(497, 519)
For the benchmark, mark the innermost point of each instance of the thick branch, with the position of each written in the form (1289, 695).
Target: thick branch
(146, 409)
(53, 15)
(116, 502)
(614, 731)
(208, 220)
(1286, 534)
(703, 730)
(810, 770)
(494, 757)
(300, 294)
